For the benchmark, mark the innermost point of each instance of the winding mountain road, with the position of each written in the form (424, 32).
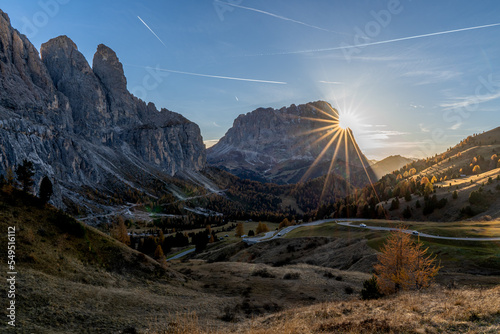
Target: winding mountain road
(343, 222)
(425, 235)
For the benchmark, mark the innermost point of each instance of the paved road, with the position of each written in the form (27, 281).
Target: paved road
(381, 228)
(178, 256)
(274, 235)
(342, 221)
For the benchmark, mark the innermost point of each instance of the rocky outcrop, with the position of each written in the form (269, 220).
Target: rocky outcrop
(79, 124)
(281, 145)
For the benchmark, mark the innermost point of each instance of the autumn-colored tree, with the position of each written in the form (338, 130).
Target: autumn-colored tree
(424, 180)
(498, 164)
(434, 179)
(159, 253)
(261, 228)
(429, 188)
(476, 169)
(119, 231)
(10, 176)
(239, 230)
(8, 187)
(404, 264)
(161, 237)
(284, 223)
(413, 171)
(494, 157)
(399, 177)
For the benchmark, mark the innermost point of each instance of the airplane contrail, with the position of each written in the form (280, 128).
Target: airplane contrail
(383, 42)
(331, 82)
(211, 76)
(151, 30)
(278, 16)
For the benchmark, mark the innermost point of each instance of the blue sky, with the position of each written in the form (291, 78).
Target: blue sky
(414, 97)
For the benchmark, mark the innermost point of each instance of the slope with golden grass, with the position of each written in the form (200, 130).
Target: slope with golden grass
(73, 278)
(436, 310)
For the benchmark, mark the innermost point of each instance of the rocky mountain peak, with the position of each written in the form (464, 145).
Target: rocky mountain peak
(5, 16)
(109, 69)
(62, 42)
(279, 145)
(80, 125)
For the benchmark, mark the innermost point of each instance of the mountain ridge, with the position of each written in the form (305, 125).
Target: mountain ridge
(281, 145)
(79, 124)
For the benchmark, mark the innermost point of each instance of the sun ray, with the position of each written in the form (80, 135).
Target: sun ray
(321, 120)
(318, 158)
(328, 175)
(328, 127)
(364, 167)
(327, 114)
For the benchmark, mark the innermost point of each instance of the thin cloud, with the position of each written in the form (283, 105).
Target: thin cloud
(216, 125)
(424, 128)
(278, 16)
(151, 31)
(464, 102)
(383, 42)
(211, 76)
(382, 134)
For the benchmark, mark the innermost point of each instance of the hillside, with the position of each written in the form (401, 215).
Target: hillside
(461, 183)
(73, 278)
(289, 145)
(389, 164)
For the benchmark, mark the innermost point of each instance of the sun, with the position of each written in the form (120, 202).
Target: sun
(348, 121)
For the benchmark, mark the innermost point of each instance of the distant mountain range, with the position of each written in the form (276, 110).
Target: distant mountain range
(389, 164)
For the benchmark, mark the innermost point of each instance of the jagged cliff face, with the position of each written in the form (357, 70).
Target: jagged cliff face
(281, 145)
(80, 125)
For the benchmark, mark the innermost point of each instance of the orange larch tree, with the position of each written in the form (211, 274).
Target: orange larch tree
(404, 264)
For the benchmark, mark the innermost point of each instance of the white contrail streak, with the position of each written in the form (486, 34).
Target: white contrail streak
(151, 30)
(276, 16)
(210, 76)
(331, 82)
(384, 42)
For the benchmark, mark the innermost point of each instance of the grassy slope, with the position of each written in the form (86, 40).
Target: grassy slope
(75, 279)
(436, 310)
(461, 261)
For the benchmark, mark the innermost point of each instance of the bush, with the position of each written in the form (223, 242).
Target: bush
(394, 204)
(407, 213)
(291, 276)
(455, 195)
(68, 224)
(477, 197)
(370, 289)
(348, 290)
(263, 273)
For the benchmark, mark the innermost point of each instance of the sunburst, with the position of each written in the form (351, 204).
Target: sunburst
(337, 131)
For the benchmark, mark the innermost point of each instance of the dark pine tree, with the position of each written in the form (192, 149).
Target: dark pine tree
(46, 190)
(25, 174)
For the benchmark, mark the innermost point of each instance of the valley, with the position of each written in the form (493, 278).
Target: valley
(119, 219)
